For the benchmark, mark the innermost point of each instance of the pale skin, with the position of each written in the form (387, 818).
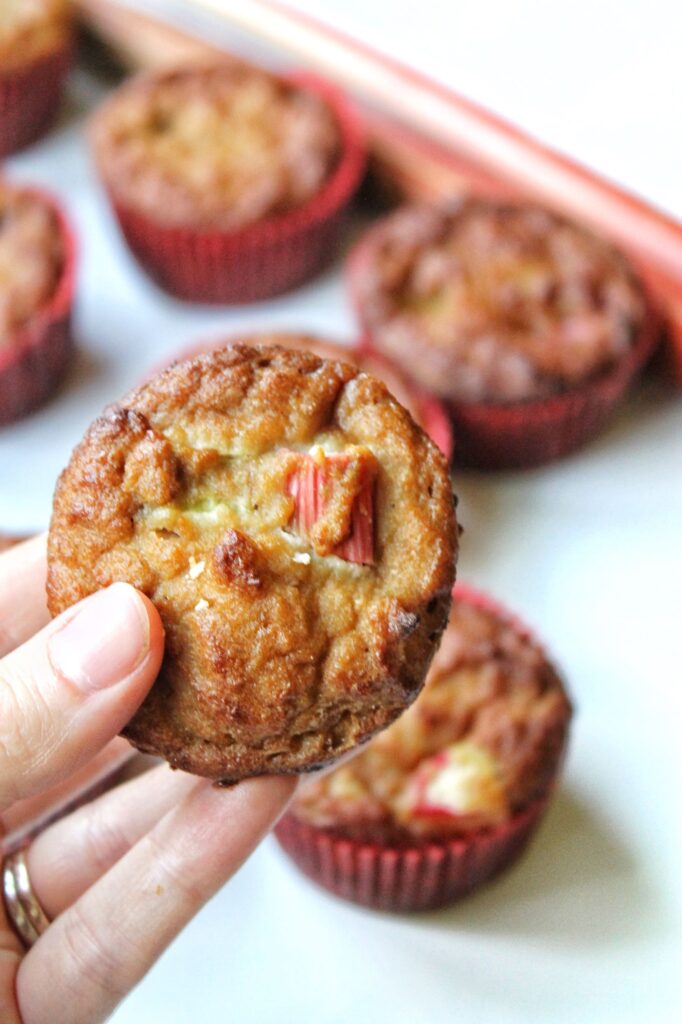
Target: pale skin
(120, 877)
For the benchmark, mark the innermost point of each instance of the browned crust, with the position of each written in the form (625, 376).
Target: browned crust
(484, 301)
(289, 665)
(214, 146)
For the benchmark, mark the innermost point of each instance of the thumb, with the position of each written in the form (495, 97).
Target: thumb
(73, 686)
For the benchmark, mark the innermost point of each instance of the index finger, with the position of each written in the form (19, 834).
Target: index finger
(23, 603)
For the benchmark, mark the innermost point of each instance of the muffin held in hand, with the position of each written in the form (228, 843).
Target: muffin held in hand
(229, 183)
(451, 792)
(527, 325)
(296, 531)
(35, 53)
(427, 411)
(36, 293)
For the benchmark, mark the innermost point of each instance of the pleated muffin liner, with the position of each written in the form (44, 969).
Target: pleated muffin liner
(30, 96)
(417, 875)
(519, 435)
(34, 359)
(261, 260)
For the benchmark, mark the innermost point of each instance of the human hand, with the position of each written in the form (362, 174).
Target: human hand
(118, 878)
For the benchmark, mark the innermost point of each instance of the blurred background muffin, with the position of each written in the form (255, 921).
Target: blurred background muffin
(528, 326)
(36, 293)
(35, 53)
(451, 792)
(229, 182)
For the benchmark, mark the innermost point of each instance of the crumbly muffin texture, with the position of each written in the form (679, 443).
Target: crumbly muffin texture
(30, 28)
(381, 368)
(495, 302)
(218, 146)
(31, 258)
(295, 530)
(483, 740)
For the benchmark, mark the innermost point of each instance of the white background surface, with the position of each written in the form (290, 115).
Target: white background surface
(587, 927)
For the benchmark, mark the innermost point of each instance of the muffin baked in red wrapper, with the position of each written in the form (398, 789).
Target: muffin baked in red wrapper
(383, 865)
(32, 75)
(34, 357)
(426, 410)
(550, 417)
(261, 259)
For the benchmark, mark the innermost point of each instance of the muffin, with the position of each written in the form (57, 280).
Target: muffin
(425, 410)
(230, 183)
(526, 325)
(35, 53)
(36, 294)
(449, 794)
(296, 531)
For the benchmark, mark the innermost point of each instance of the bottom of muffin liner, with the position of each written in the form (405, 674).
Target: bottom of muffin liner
(30, 96)
(526, 434)
(34, 360)
(266, 258)
(420, 877)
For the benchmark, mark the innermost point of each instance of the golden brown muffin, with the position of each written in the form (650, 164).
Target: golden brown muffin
(426, 411)
(483, 741)
(31, 28)
(494, 302)
(216, 146)
(296, 531)
(31, 258)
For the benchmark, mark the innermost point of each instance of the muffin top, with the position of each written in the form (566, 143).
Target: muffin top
(30, 28)
(296, 531)
(486, 301)
(435, 424)
(215, 146)
(484, 739)
(31, 258)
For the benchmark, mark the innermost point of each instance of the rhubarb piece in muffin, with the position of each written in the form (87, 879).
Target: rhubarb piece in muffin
(296, 531)
(465, 771)
(225, 152)
(504, 308)
(35, 48)
(36, 290)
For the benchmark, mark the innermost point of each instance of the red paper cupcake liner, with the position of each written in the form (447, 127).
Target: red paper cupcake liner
(266, 258)
(33, 362)
(30, 96)
(525, 434)
(424, 875)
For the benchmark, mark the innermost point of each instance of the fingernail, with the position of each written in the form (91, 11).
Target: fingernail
(104, 642)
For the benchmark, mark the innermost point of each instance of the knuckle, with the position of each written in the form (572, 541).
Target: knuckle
(105, 839)
(26, 737)
(169, 869)
(90, 961)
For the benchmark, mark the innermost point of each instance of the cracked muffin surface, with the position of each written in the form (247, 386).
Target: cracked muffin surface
(496, 302)
(296, 531)
(482, 741)
(220, 146)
